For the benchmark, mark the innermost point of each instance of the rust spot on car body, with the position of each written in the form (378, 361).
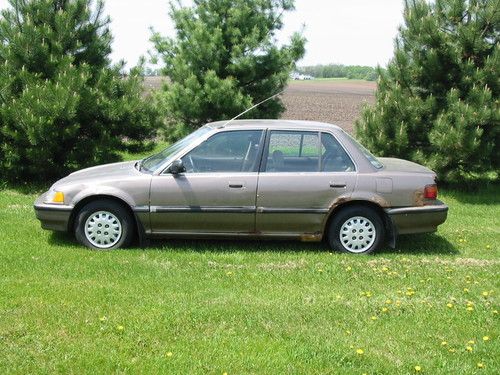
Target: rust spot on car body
(340, 200)
(380, 201)
(311, 237)
(418, 198)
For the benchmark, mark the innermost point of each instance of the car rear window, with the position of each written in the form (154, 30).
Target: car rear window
(372, 159)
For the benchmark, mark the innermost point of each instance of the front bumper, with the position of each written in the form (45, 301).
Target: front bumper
(423, 219)
(52, 216)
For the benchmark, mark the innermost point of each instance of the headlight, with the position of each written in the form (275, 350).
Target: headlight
(55, 197)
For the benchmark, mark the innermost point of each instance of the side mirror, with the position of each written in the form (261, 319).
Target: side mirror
(177, 167)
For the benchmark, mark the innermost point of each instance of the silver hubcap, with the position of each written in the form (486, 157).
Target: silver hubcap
(103, 229)
(357, 234)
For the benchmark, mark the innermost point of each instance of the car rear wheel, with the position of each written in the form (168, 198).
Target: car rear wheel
(356, 230)
(104, 225)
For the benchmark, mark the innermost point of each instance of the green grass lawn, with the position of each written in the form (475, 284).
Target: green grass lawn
(252, 307)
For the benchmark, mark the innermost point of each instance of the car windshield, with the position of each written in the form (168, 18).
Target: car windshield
(151, 163)
(372, 159)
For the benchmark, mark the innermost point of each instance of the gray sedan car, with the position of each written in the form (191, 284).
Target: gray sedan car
(249, 179)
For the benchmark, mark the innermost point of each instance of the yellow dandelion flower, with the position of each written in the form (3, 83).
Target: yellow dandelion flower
(229, 273)
(495, 311)
(360, 351)
(449, 305)
(103, 318)
(469, 349)
(480, 365)
(169, 354)
(120, 328)
(224, 373)
(485, 293)
(488, 247)
(451, 350)
(388, 301)
(470, 308)
(418, 368)
(374, 318)
(385, 309)
(444, 343)
(320, 270)
(486, 338)
(466, 290)
(471, 342)
(348, 268)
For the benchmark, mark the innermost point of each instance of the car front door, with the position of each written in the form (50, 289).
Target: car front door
(216, 192)
(302, 174)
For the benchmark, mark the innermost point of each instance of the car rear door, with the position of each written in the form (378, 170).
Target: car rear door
(302, 174)
(216, 193)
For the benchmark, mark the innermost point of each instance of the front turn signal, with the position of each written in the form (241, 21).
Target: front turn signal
(58, 197)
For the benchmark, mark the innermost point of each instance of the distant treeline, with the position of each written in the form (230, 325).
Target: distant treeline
(340, 71)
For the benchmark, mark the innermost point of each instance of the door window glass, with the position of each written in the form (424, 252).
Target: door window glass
(230, 151)
(293, 151)
(333, 156)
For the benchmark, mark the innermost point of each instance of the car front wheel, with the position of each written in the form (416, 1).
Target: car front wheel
(104, 225)
(356, 230)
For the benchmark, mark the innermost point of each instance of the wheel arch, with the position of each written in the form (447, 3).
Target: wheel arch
(92, 198)
(388, 225)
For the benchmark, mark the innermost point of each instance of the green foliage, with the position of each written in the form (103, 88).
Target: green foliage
(437, 103)
(368, 73)
(224, 58)
(62, 106)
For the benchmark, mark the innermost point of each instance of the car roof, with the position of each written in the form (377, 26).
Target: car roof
(288, 124)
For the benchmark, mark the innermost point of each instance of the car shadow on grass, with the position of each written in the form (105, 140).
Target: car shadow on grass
(428, 243)
(62, 239)
(411, 244)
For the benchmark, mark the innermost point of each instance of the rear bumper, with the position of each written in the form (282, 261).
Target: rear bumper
(51, 216)
(408, 220)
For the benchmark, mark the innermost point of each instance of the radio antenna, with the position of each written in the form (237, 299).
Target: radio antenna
(252, 107)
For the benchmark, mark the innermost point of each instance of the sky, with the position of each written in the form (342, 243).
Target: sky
(350, 32)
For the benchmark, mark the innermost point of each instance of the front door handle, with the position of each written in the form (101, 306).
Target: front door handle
(235, 185)
(337, 185)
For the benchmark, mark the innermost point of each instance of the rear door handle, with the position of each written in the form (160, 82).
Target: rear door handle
(235, 185)
(337, 186)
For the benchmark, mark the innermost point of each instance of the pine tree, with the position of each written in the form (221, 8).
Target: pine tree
(62, 105)
(223, 59)
(437, 102)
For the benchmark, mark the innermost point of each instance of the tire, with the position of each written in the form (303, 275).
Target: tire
(356, 230)
(116, 222)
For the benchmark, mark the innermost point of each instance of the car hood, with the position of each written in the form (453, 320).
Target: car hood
(400, 165)
(114, 170)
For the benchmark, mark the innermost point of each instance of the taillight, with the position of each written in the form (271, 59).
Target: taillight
(431, 191)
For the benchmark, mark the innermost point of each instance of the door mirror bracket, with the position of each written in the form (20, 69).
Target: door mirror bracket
(177, 167)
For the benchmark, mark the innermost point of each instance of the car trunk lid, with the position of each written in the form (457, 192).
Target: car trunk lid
(400, 165)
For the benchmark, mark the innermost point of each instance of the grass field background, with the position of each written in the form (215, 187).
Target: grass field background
(252, 307)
